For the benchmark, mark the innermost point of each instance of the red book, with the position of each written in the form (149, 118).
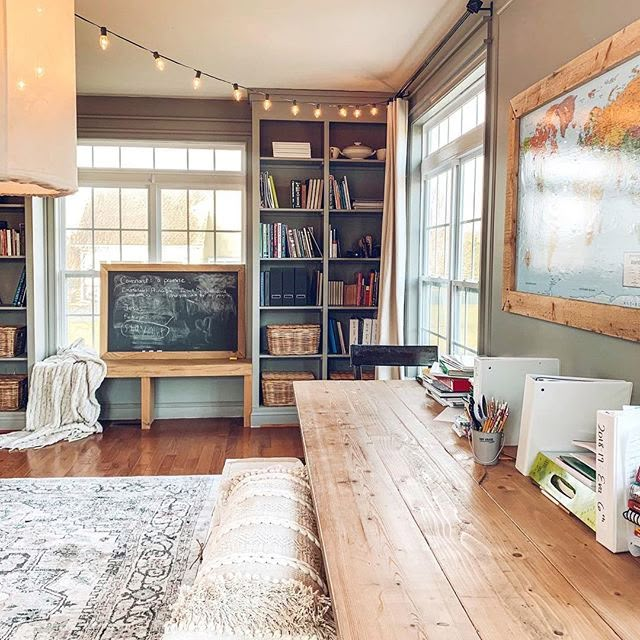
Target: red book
(459, 385)
(634, 506)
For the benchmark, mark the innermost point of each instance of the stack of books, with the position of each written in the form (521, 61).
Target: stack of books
(307, 194)
(363, 293)
(632, 514)
(11, 240)
(278, 240)
(448, 381)
(339, 196)
(268, 194)
(361, 331)
(291, 149)
(290, 287)
(361, 203)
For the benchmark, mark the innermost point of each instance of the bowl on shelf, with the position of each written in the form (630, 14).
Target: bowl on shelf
(357, 151)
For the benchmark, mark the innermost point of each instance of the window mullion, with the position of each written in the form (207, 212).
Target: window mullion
(155, 237)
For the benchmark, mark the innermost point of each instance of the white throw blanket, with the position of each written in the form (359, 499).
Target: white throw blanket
(62, 399)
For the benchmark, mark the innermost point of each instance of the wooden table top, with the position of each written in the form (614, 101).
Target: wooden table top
(422, 543)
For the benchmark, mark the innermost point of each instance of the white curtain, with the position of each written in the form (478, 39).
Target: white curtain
(394, 234)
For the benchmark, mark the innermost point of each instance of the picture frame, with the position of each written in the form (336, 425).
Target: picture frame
(604, 318)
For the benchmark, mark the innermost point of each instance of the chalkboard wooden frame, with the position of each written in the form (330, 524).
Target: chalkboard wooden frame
(122, 267)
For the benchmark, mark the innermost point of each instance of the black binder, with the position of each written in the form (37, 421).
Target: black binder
(275, 282)
(288, 287)
(301, 286)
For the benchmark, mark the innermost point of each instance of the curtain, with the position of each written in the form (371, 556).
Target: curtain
(394, 234)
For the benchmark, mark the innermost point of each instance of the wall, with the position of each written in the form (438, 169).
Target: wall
(171, 119)
(534, 39)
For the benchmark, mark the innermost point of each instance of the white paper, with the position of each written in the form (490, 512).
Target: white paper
(631, 272)
(448, 415)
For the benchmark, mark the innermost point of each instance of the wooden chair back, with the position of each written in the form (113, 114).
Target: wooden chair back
(391, 356)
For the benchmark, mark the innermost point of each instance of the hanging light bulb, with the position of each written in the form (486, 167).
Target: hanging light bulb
(237, 94)
(197, 80)
(22, 85)
(103, 40)
(295, 109)
(159, 61)
(374, 110)
(357, 112)
(342, 111)
(317, 112)
(267, 102)
(39, 70)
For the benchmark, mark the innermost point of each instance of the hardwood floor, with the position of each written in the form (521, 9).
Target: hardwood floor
(172, 447)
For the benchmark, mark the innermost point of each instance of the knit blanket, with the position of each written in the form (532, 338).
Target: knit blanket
(62, 399)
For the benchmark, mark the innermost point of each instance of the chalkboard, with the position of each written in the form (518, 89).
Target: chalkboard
(173, 310)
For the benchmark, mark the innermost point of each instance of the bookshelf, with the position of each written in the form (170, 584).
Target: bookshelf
(366, 181)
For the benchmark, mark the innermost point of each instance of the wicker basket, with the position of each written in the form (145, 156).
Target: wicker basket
(12, 341)
(277, 387)
(349, 375)
(293, 339)
(13, 392)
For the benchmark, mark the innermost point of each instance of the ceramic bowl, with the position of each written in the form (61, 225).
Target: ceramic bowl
(357, 151)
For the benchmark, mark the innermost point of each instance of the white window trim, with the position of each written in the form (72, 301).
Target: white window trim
(154, 180)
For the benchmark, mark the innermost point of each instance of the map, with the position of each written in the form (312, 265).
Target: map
(578, 229)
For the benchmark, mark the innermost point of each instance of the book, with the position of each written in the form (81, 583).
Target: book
(617, 461)
(578, 470)
(454, 384)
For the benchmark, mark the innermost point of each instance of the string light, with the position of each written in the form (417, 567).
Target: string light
(357, 112)
(342, 111)
(237, 94)
(159, 61)
(103, 40)
(374, 110)
(197, 80)
(295, 109)
(267, 102)
(22, 85)
(39, 72)
(317, 112)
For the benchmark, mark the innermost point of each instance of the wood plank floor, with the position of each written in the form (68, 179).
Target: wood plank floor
(172, 447)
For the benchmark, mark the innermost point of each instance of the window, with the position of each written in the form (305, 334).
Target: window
(142, 203)
(451, 218)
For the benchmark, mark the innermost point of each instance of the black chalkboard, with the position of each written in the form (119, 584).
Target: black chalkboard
(166, 310)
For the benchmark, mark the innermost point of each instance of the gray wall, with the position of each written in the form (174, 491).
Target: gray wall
(171, 119)
(534, 39)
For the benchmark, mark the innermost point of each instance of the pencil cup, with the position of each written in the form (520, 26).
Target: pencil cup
(486, 447)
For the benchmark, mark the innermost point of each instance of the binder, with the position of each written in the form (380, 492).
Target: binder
(557, 410)
(503, 378)
(301, 286)
(288, 288)
(276, 287)
(617, 460)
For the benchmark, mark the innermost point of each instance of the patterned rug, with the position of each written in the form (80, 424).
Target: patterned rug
(98, 558)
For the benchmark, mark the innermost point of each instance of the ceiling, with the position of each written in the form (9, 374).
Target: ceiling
(357, 45)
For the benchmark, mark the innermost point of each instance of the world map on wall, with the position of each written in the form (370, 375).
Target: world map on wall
(578, 228)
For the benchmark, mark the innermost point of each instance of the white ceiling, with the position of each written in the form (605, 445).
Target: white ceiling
(363, 45)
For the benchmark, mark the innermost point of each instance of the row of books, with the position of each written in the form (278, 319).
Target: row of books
(11, 240)
(278, 240)
(448, 381)
(361, 331)
(20, 294)
(268, 194)
(362, 293)
(339, 196)
(289, 287)
(335, 251)
(307, 194)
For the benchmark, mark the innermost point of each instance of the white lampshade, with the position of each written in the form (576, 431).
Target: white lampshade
(37, 98)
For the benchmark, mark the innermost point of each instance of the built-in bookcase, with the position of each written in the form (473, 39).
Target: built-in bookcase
(366, 180)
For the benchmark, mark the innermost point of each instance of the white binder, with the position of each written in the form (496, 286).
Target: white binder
(503, 378)
(557, 410)
(617, 460)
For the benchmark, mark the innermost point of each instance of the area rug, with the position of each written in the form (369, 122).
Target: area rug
(98, 558)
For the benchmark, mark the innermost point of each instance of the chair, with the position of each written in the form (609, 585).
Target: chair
(391, 356)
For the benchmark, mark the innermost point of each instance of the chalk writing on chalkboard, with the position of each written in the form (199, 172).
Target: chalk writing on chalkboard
(172, 311)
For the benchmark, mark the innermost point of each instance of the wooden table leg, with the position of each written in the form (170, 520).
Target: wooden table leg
(247, 401)
(146, 402)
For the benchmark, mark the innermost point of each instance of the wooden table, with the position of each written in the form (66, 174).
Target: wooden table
(150, 368)
(421, 543)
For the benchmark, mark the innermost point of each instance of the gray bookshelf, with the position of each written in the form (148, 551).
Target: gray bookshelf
(366, 180)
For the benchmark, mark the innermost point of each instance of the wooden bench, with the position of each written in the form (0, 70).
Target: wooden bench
(149, 369)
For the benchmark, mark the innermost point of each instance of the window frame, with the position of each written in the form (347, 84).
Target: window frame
(154, 180)
(451, 156)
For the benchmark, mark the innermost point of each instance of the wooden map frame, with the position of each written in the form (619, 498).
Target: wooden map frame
(612, 320)
(105, 268)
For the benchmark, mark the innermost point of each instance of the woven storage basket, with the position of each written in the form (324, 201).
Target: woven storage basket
(349, 375)
(13, 392)
(293, 339)
(277, 387)
(12, 341)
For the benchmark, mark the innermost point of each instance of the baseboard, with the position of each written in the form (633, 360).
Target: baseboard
(131, 410)
(276, 415)
(12, 421)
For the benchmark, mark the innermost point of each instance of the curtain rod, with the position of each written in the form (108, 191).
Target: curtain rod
(473, 7)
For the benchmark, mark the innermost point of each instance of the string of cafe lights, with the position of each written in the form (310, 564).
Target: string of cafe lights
(238, 91)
